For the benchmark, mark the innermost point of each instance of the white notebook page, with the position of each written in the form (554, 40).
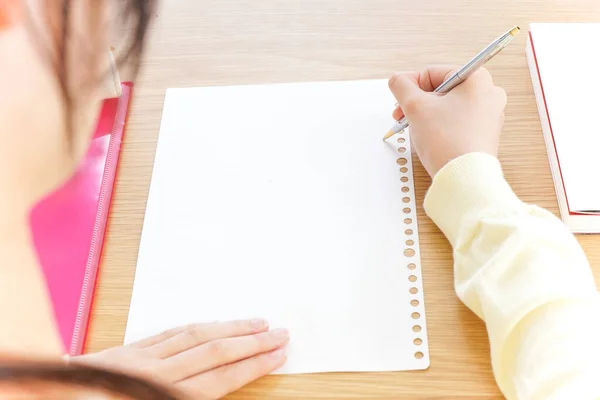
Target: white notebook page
(282, 202)
(568, 58)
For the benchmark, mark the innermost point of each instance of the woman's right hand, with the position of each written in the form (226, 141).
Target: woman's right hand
(442, 127)
(201, 360)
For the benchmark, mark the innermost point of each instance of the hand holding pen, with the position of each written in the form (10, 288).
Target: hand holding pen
(458, 77)
(467, 120)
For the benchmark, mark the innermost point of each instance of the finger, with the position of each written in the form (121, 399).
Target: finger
(501, 95)
(405, 86)
(409, 88)
(221, 352)
(479, 79)
(432, 77)
(483, 74)
(196, 335)
(161, 337)
(229, 378)
(152, 340)
(397, 114)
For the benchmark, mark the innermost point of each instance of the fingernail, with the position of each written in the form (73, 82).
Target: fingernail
(280, 334)
(258, 323)
(277, 354)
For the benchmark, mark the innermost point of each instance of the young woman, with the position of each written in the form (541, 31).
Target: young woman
(510, 257)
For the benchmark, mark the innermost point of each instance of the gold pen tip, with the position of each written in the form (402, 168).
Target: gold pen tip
(388, 135)
(515, 30)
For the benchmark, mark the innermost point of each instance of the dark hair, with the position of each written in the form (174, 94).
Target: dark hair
(134, 17)
(130, 18)
(83, 377)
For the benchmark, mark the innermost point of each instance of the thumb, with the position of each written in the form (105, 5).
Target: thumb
(405, 87)
(410, 88)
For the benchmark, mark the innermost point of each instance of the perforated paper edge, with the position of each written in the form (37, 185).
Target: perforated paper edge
(412, 254)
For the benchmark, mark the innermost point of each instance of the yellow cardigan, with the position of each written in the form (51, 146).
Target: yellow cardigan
(519, 269)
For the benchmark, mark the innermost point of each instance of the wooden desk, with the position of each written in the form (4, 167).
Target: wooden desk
(218, 42)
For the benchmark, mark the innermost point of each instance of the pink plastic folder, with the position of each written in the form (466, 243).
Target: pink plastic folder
(68, 226)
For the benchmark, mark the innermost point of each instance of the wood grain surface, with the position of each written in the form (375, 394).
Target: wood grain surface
(228, 42)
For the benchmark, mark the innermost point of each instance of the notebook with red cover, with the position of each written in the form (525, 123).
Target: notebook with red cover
(564, 59)
(68, 226)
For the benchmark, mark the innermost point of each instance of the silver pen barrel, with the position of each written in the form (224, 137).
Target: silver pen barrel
(485, 55)
(461, 75)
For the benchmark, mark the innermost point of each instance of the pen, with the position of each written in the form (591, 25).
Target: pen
(461, 75)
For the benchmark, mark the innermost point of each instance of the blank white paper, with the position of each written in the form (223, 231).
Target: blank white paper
(567, 56)
(282, 202)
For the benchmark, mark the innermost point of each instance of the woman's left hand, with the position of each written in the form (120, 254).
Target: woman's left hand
(200, 360)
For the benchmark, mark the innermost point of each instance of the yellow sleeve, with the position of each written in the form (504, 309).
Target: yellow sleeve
(520, 270)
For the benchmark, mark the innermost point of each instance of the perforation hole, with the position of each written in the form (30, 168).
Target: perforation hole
(401, 140)
(415, 315)
(412, 266)
(404, 179)
(418, 355)
(405, 189)
(410, 242)
(406, 199)
(404, 170)
(412, 278)
(417, 328)
(409, 253)
(417, 342)
(406, 210)
(402, 160)
(414, 303)
(402, 150)
(408, 232)
(408, 221)
(413, 290)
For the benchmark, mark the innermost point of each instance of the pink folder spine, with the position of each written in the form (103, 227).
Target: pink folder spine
(99, 229)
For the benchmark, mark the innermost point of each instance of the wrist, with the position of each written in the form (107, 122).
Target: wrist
(445, 159)
(464, 189)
